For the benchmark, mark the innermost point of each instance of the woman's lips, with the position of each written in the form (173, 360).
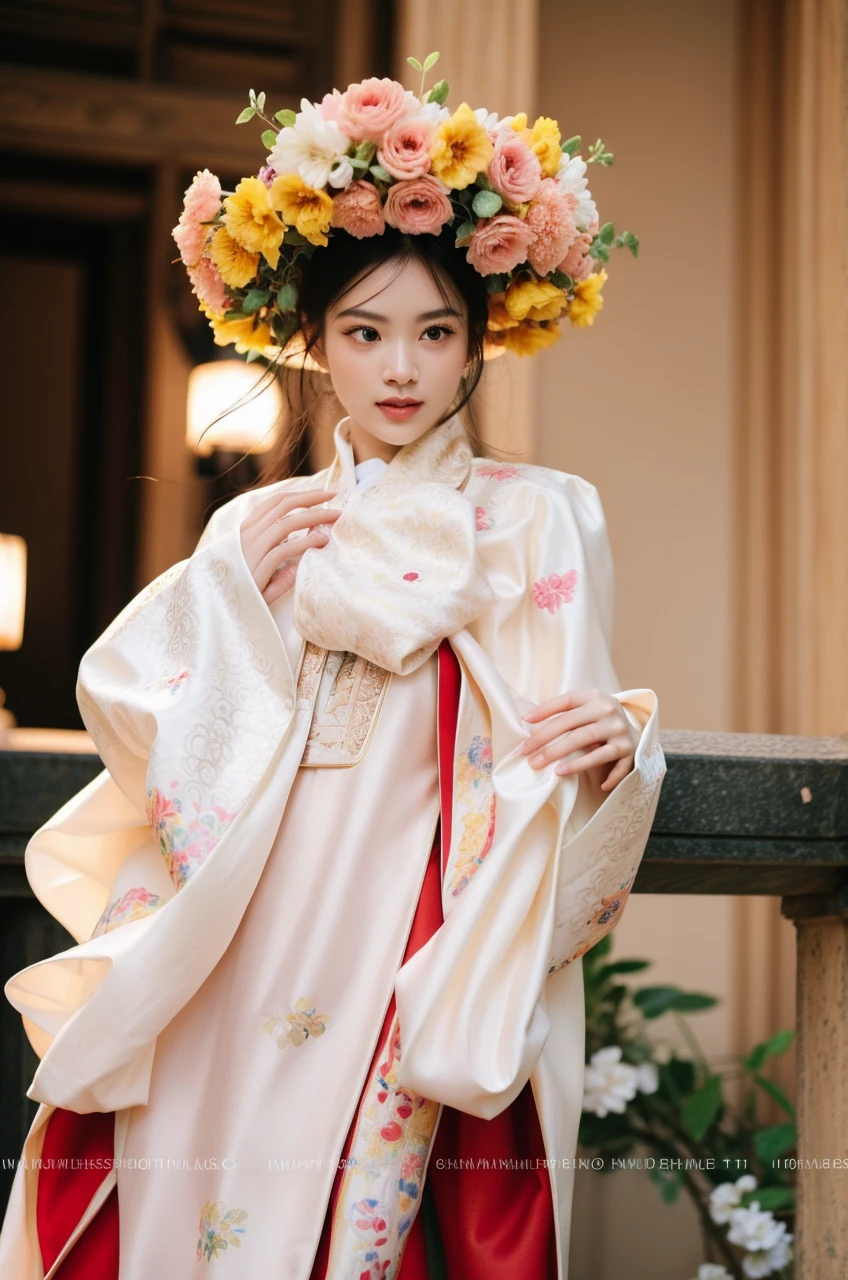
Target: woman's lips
(400, 412)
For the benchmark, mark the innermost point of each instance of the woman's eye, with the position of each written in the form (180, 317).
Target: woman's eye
(364, 329)
(438, 330)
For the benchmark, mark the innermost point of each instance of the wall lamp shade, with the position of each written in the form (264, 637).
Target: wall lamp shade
(249, 400)
(13, 558)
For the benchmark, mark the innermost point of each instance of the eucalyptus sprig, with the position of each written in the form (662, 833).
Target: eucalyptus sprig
(257, 108)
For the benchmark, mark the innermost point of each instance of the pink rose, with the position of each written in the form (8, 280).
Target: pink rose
(514, 170)
(359, 210)
(367, 110)
(577, 262)
(328, 107)
(405, 152)
(552, 219)
(418, 206)
(499, 244)
(202, 203)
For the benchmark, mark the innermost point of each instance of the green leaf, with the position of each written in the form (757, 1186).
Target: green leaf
(366, 151)
(772, 1197)
(286, 118)
(629, 241)
(599, 251)
(607, 232)
(775, 1092)
(701, 1108)
(771, 1048)
(294, 237)
(269, 137)
(358, 164)
(465, 229)
(486, 203)
(482, 181)
(654, 1001)
(617, 966)
(496, 283)
(287, 296)
(571, 146)
(255, 299)
(381, 174)
(430, 61)
(247, 114)
(693, 1002)
(563, 281)
(775, 1141)
(413, 62)
(602, 948)
(669, 1183)
(439, 92)
(677, 1077)
(260, 102)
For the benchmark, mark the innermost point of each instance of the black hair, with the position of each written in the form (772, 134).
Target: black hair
(330, 273)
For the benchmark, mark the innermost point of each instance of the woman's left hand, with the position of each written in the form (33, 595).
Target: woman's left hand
(577, 720)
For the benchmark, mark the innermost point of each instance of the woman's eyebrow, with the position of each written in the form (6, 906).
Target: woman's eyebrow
(372, 315)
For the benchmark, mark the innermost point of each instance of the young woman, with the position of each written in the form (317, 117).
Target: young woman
(368, 796)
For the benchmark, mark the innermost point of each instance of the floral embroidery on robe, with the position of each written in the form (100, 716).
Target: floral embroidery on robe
(302, 1021)
(219, 1230)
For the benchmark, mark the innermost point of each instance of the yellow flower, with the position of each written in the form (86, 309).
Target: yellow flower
(305, 208)
(499, 317)
(236, 266)
(252, 222)
(587, 300)
(244, 333)
(544, 138)
(461, 149)
(527, 339)
(519, 122)
(534, 300)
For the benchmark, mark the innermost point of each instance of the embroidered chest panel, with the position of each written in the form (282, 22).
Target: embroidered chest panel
(350, 694)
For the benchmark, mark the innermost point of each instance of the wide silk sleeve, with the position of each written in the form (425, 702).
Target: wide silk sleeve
(552, 569)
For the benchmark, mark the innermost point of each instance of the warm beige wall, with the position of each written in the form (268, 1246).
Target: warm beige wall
(643, 405)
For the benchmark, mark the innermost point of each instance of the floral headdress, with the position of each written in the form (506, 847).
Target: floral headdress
(379, 155)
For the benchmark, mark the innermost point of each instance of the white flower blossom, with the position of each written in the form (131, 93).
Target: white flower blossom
(755, 1228)
(608, 1084)
(341, 175)
(647, 1077)
(571, 175)
(713, 1271)
(432, 111)
(312, 147)
(726, 1197)
(489, 119)
(765, 1262)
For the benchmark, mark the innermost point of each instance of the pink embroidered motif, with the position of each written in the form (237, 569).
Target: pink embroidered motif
(185, 843)
(134, 905)
(483, 519)
(410, 577)
(549, 593)
(499, 473)
(175, 681)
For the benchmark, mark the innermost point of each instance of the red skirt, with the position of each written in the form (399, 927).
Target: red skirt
(495, 1221)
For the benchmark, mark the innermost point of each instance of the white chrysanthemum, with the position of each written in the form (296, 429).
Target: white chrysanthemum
(746, 1183)
(713, 1271)
(766, 1262)
(312, 146)
(647, 1077)
(432, 111)
(755, 1228)
(608, 1083)
(572, 176)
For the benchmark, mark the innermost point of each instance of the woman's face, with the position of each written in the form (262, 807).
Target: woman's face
(391, 338)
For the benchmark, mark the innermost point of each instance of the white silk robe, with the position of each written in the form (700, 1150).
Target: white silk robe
(200, 699)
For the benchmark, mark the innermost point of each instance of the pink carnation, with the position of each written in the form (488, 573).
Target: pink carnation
(405, 152)
(202, 203)
(367, 110)
(514, 170)
(359, 210)
(577, 262)
(328, 107)
(551, 218)
(499, 244)
(207, 284)
(418, 206)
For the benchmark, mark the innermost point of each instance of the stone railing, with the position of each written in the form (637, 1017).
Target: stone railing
(738, 814)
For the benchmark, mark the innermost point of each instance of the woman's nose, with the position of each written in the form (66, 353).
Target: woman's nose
(401, 365)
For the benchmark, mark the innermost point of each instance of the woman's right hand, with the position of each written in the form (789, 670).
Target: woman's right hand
(272, 559)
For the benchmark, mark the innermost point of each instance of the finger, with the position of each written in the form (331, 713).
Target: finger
(555, 726)
(278, 532)
(281, 557)
(600, 756)
(562, 702)
(282, 503)
(617, 774)
(562, 746)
